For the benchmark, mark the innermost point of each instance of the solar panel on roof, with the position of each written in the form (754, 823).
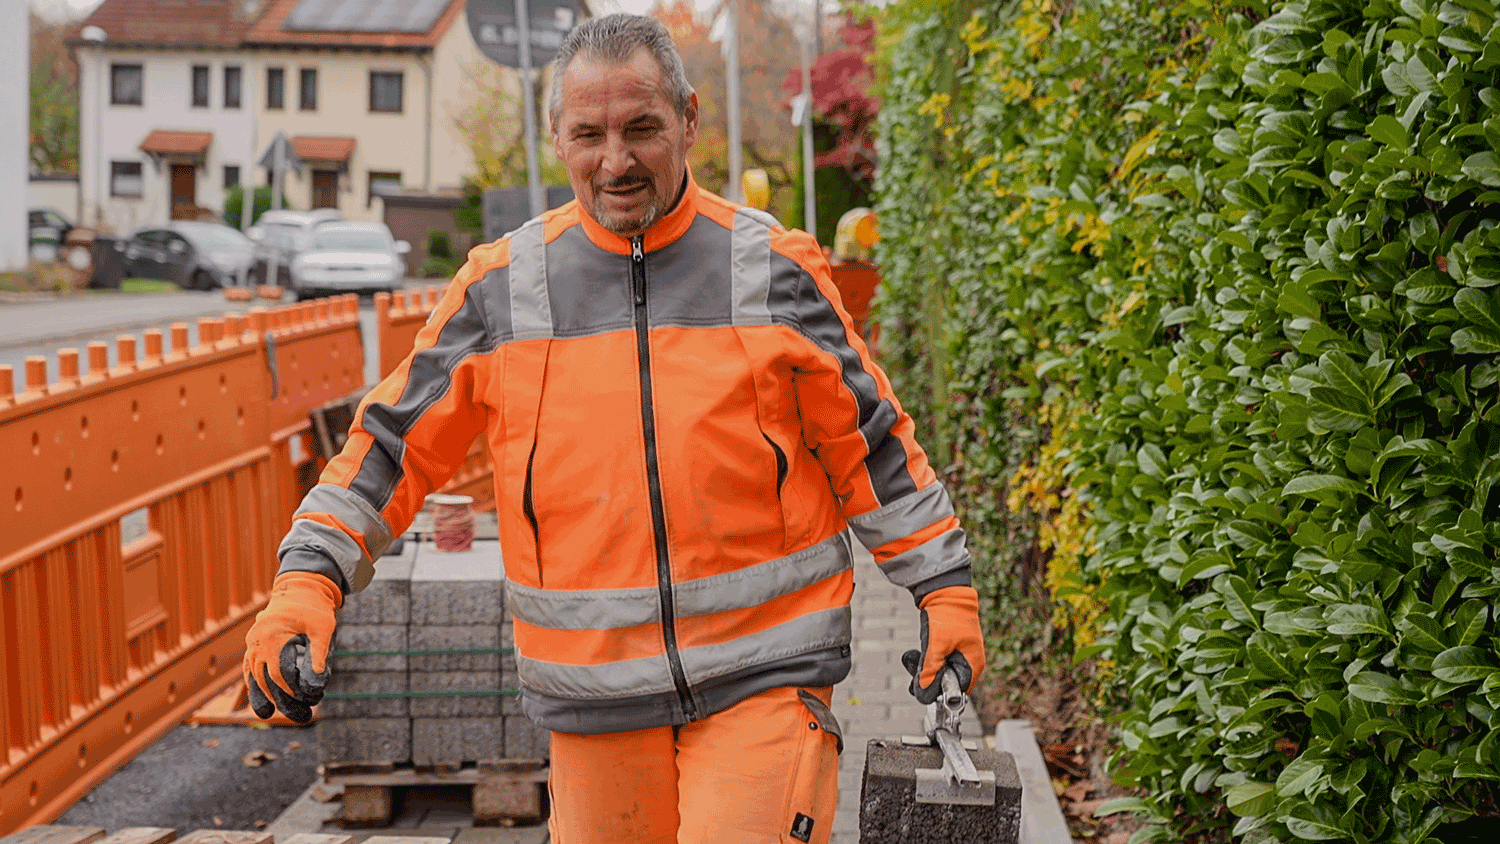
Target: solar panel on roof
(364, 15)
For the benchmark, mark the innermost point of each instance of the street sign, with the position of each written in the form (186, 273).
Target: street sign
(289, 159)
(493, 25)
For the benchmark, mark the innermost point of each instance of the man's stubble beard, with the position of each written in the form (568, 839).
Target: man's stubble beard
(628, 226)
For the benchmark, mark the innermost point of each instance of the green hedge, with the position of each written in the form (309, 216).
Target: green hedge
(1208, 292)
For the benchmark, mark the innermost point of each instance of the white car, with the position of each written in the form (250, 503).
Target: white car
(280, 234)
(349, 258)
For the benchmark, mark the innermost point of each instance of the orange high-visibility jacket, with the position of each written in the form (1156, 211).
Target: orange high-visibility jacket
(682, 426)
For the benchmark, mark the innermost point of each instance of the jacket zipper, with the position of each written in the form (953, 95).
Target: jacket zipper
(653, 480)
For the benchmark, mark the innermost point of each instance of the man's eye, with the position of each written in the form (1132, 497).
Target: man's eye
(640, 132)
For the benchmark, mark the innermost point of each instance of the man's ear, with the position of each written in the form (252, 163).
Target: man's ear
(556, 139)
(690, 116)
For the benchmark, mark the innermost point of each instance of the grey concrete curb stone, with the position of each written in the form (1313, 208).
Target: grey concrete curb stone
(890, 814)
(1042, 820)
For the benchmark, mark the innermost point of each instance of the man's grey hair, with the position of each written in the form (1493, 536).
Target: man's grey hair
(614, 39)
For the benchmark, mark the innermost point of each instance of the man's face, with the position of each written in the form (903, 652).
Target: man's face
(624, 145)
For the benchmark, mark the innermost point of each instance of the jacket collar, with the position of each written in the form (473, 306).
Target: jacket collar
(661, 233)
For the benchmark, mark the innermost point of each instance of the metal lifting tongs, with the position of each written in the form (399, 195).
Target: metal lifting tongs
(958, 781)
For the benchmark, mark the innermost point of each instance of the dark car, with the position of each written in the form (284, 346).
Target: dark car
(194, 255)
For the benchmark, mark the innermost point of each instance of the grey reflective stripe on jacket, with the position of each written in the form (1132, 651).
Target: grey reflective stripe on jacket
(606, 609)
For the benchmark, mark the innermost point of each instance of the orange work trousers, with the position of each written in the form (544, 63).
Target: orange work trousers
(764, 771)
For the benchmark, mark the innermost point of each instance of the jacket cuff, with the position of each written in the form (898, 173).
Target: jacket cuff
(956, 577)
(309, 559)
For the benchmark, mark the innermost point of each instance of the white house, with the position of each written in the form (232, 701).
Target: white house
(180, 99)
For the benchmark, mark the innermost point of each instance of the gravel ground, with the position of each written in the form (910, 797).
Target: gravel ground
(196, 778)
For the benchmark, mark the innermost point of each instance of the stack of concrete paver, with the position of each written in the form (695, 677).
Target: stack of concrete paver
(427, 600)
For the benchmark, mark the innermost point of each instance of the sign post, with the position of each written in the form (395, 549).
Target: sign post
(277, 158)
(496, 26)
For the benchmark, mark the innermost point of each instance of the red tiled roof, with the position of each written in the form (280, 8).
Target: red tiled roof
(323, 147)
(174, 23)
(169, 142)
(269, 31)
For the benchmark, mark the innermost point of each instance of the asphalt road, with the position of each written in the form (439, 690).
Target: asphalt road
(42, 326)
(196, 778)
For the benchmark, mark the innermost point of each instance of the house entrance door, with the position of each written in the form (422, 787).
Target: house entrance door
(325, 189)
(184, 197)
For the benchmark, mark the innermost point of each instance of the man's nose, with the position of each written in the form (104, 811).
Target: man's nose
(618, 157)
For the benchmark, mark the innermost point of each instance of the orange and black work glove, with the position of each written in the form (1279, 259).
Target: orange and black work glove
(951, 637)
(286, 650)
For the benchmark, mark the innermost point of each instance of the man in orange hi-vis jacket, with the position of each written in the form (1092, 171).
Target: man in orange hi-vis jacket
(685, 432)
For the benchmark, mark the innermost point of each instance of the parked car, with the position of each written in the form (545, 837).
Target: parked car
(196, 255)
(349, 257)
(281, 234)
(48, 232)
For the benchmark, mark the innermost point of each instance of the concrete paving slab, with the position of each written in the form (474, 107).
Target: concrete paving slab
(457, 587)
(453, 637)
(364, 740)
(390, 638)
(457, 706)
(387, 598)
(443, 740)
(365, 682)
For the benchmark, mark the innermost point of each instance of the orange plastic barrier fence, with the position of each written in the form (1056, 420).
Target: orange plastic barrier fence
(398, 318)
(140, 507)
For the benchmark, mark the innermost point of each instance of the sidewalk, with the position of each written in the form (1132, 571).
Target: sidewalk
(872, 703)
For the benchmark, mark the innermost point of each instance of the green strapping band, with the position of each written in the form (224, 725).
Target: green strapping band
(453, 693)
(426, 653)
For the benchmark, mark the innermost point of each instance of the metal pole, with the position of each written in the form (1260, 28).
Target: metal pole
(533, 169)
(247, 173)
(732, 90)
(809, 190)
(278, 170)
(278, 166)
(817, 28)
(101, 170)
(15, 145)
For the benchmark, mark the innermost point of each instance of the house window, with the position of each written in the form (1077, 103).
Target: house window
(382, 181)
(200, 86)
(231, 86)
(385, 91)
(231, 175)
(275, 88)
(309, 89)
(126, 84)
(125, 178)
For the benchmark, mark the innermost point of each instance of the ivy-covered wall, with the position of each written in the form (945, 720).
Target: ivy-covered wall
(1199, 303)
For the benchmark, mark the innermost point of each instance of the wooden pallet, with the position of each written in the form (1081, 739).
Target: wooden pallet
(503, 792)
